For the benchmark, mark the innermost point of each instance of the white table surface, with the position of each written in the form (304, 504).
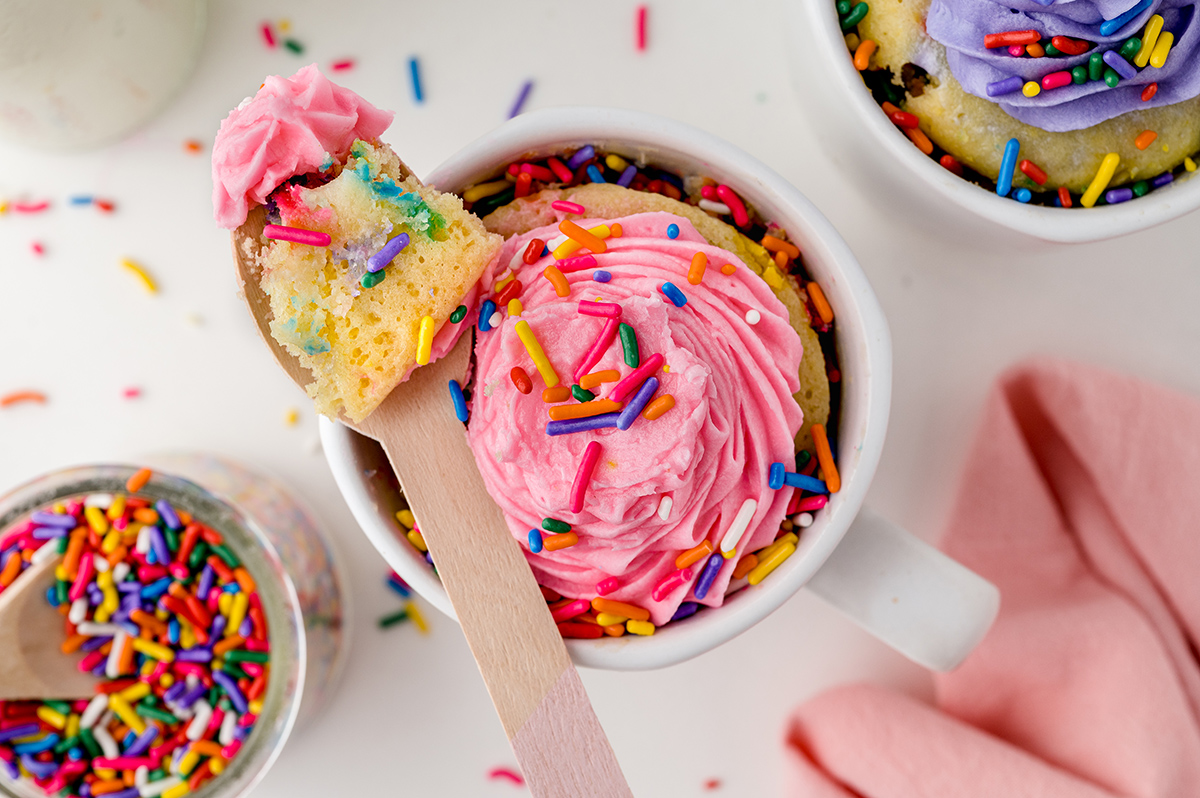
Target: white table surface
(411, 716)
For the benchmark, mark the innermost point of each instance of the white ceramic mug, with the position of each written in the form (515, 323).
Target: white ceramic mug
(864, 142)
(905, 592)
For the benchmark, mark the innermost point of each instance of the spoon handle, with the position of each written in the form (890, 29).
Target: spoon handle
(541, 701)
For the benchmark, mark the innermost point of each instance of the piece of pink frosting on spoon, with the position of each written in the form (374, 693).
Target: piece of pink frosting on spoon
(292, 126)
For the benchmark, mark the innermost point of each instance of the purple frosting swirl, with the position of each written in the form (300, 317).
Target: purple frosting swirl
(960, 26)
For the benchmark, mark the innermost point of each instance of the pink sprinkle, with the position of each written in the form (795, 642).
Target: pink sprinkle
(132, 392)
(577, 263)
(505, 773)
(740, 217)
(1016, 50)
(606, 586)
(812, 503)
(608, 309)
(37, 248)
(31, 207)
(297, 235)
(793, 502)
(572, 610)
(641, 28)
(124, 762)
(567, 207)
(583, 476)
(1056, 80)
(268, 35)
(635, 378)
(339, 66)
(709, 193)
(670, 582)
(608, 334)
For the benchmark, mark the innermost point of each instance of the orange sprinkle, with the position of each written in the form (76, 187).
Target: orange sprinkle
(631, 611)
(745, 566)
(138, 480)
(696, 270)
(825, 458)
(117, 555)
(1145, 139)
(22, 396)
(227, 645)
(820, 302)
(693, 555)
(557, 278)
(564, 540)
(595, 407)
(193, 147)
(1035, 50)
(862, 56)
(72, 644)
(148, 621)
(616, 630)
(781, 261)
(244, 579)
(145, 515)
(558, 393)
(74, 551)
(728, 269)
(773, 244)
(916, 136)
(659, 406)
(106, 786)
(11, 569)
(206, 748)
(125, 658)
(582, 237)
(615, 230)
(589, 381)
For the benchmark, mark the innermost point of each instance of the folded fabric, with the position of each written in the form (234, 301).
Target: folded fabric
(1081, 502)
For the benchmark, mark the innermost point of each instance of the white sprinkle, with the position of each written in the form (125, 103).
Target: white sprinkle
(803, 520)
(556, 242)
(738, 528)
(101, 500)
(142, 546)
(92, 629)
(228, 727)
(664, 507)
(120, 571)
(78, 612)
(199, 724)
(156, 788)
(141, 777)
(753, 316)
(107, 744)
(714, 207)
(496, 320)
(95, 709)
(100, 563)
(47, 551)
(112, 669)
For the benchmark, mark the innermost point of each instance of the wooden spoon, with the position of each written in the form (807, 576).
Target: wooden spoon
(533, 683)
(31, 663)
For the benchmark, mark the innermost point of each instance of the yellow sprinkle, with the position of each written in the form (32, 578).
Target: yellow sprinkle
(166, 680)
(571, 246)
(425, 340)
(415, 615)
(617, 164)
(72, 725)
(1031, 89)
(154, 650)
(117, 508)
(769, 564)
(773, 277)
(666, 369)
(418, 540)
(476, 193)
(256, 706)
(60, 573)
(291, 417)
(1162, 48)
(608, 619)
(536, 353)
(1100, 182)
(514, 307)
(1189, 164)
(643, 628)
(780, 542)
(178, 791)
(224, 603)
(1153, 28)
(140, 273)
(216, 764)
(188, 763)
(96, 520)
(499, 286)
(285, 25)
(3, 208)
(237, 613)
(187, 636)
(406, 518)
(138, 690)
(125, 712)
(56, 719)
(110, 543)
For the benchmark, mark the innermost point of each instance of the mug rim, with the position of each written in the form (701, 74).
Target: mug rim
(1060, 225)
(864, 350)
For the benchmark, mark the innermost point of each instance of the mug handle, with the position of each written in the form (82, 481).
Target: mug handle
(907, 593)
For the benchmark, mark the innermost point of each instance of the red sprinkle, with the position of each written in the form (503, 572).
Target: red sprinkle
(641, 28)
(524, 183)
(511, 290)
(1008, 38)
(105, 205)
(268, 35)
(538, 172)
(586, 631)
(904, 119)
(1064, 196)
(506, 773)
(521, 379)
(1070, 46)
(1149, 92)
(948, 161)
(709, 193)
(1033, 172)
(560, 170)
(533, 251)
(346, 63)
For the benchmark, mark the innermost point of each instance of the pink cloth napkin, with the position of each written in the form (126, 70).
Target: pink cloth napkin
(1081, 501)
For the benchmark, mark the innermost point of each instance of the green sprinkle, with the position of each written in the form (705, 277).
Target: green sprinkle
(70, 742)
(238, 655)
(1051, 50)
(234, 670)
(488, 204)
(1096, 66)
(393, 619)
(61, 590)
(62, 707)
(61, 544)
(630, 345)
(1111, 77)
(154, 713)
(157, 773)
(198, 556)
(1141, 188)
(802, 458)
(293, 45)
(555, 526)
(89, 742)
(582, 394)
(856, 16)
(459, 314)
(372, 279)
(1130, 48)
(1079, 74)
(843, 7)
(228, 556)
(172, 539)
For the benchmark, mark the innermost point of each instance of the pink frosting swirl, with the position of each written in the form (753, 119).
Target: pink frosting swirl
(293, 126)
(733, 416)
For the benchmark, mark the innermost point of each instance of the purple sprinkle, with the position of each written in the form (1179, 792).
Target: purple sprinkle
(1118, 195)
(129, 587)
(585, 154)
(159, 543)
(39, 770)
(1162, 180)
(705, 580)
(522, 96)
(1122, 67)
(686, 610)
(24, 730)
(391, 249)
(241, 732)
(569, 426)
(429, 558)
(167, 513)
(230, 687)
(204, 583)
(141, 744)
(54, 519)
(100, 668)
(627, 176)
(192, 696)
(93, 643)
(175, 691)
(639, 401)
(197, 654)
(10, 768)
(47, 532)
(246, 629)
(1006, 86)
(85, 790)
(218, 626)
(132, 792)
(601, 276)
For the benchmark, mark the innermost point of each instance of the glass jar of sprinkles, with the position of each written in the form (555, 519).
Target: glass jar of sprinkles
(293, 571)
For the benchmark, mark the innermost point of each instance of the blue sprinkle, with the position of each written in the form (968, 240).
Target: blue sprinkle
(627, 176)
(601, 276)
(460, 402)
(535, 541)
(415, 69)
(37, 746)
(1022, 195)
(1109, 27)
(584, 154)
(545, 251)
(1007, 166)
(1118, 195)
(522, 96)
(810, 484)
(398, 586)
(674, 294)
(672, 231)
(775, 476)
(388, 251)
(485, 314)
(1006, 86)
(52, 596)
(81, 200)
(594, 175)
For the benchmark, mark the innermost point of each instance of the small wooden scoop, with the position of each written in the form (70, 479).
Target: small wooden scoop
(540, 699)
(31, 663)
